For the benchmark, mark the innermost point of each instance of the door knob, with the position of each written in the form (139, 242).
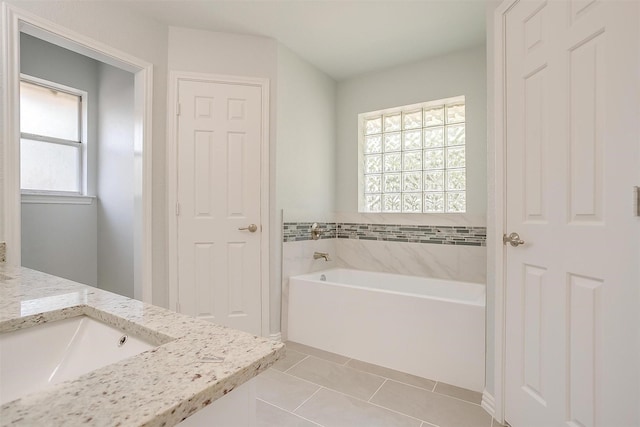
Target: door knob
(513, 239)
(252, 228)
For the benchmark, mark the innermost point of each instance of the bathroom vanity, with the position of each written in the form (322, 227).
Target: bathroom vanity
(72, 354)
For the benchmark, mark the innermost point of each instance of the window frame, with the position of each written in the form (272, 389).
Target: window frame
(82, 133)
(405, 109)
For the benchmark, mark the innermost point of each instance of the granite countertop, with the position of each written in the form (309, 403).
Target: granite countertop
(159, 387)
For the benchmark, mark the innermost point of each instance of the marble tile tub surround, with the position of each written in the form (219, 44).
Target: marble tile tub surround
(297, 258)
(449, 262)
(158, 387)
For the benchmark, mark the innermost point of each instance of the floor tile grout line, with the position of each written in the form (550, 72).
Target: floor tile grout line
(320, 387)
(337, 364)
(307, 399)
(376, 392)
(289, 412)
(439, 394)
(306, 356)
(433, 389)
(435, 383)
(301, 379)
(320, 357)
(457, 398)
(388, 409)
(374, 404)
(374, 375)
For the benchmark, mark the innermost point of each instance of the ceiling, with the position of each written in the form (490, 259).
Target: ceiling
(343, 38)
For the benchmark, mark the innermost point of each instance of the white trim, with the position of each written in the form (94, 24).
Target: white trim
(14, 21)
(276, 337)
(488, 403)
(56, 199)
(265, 208)
(499, 223)
(172, 179)
(172, 189)
(11, 133)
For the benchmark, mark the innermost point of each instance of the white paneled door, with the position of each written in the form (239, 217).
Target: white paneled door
(219, 232)
(573, 158)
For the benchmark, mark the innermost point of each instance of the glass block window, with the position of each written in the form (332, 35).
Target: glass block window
(413, 158)
(51, 157)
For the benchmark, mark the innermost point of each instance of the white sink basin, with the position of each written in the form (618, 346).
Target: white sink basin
(33, 358)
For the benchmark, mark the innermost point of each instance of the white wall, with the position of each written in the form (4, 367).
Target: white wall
(115, 181)
(109, 23)
(305, 177)
(60, 239)
(458, 73)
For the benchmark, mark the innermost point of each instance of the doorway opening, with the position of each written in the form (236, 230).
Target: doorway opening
(127, 124)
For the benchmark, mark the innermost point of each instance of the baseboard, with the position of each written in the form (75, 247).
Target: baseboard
(276, 337)
(488, 403)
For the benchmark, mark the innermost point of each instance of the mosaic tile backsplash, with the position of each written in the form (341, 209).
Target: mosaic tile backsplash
(432, 234)
(298, 231)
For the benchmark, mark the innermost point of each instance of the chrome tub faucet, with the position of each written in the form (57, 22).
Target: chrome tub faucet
(318, 255)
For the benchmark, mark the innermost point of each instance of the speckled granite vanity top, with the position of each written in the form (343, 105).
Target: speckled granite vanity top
(159, 387)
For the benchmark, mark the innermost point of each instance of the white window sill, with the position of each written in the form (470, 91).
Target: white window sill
(57, 199)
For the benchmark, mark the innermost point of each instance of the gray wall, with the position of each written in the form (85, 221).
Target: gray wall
(306, 123)
(61, 239)
(116, 181)
(457, 73)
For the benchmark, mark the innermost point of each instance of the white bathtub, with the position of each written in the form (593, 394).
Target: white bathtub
(432, 328)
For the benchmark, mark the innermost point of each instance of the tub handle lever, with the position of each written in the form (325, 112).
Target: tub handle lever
(316, 231)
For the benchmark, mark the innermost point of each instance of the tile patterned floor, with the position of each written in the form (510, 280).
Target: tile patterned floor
(311, 387)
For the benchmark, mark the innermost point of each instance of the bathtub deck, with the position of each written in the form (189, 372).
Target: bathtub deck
(311, 387)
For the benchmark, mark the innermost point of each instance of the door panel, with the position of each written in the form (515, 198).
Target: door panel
(219, 151)
(586, 120)
(572, 289)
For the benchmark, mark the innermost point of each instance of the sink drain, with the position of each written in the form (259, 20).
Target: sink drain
(123, 340)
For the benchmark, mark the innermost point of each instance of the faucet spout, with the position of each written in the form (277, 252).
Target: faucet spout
(318, 255)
